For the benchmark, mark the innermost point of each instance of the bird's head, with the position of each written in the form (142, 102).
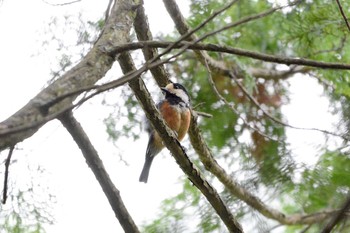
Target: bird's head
(176, 90)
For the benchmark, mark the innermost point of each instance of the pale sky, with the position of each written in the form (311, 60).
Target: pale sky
(81, 205)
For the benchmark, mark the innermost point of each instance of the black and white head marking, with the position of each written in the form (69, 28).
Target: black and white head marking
(177, 94)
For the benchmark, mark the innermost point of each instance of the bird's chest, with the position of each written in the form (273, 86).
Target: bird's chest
(177, 117)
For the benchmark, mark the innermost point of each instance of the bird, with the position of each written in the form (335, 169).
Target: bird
(175, 109)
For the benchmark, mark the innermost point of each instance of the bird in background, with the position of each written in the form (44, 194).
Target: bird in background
(175, 109)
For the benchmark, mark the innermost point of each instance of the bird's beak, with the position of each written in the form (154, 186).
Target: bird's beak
(164, 90)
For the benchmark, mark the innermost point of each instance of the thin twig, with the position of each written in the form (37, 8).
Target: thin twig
(61, 4)
(343, 14)
(223, 99)
(7, 165)
(246, 20)
(231, 50)
(191, 32)
(255, 102)
(203, 114)
(306, 228)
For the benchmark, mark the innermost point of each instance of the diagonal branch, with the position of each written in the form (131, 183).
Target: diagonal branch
(246, 20)
(96, 165)
(143, 33)
(203, 150)
(278, 121)
(230, 105)
(150, 54)
(338, 216)
(88, 71)
(206, 157)
(176, 149)
(343, 14)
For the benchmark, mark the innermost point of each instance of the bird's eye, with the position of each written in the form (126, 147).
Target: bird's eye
(178, 86)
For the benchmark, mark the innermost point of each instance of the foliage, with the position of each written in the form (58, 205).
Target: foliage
(311, 29)
(29, 205)
(264, 165)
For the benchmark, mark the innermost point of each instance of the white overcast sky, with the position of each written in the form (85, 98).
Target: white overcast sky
(81, 205)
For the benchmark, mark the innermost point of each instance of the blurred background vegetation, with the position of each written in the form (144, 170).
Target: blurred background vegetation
(268, 168)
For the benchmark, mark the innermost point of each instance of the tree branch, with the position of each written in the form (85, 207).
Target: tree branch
(88, 71)
(61, 4)
(231, 50)
(278, 121)
(178, 152)
(143, 33)
(246, 19)
(337, 217)
(184, 29)
(206, 157)
(343, 15)
(6, 175)
(230, 105)
(150, 54)
(201, 147)
(273, 74)
(96, 165)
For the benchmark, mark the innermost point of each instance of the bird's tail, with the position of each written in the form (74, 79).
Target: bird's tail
(145, 169)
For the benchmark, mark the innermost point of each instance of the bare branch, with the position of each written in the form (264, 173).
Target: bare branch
(343, 14)
(96, 165)
(6, 175)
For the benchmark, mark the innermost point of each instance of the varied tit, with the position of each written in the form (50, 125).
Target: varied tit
(175, 109)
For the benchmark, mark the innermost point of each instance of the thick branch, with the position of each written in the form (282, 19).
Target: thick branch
(143, 33)
(87, 72)
(176, 149)
(96, 165)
